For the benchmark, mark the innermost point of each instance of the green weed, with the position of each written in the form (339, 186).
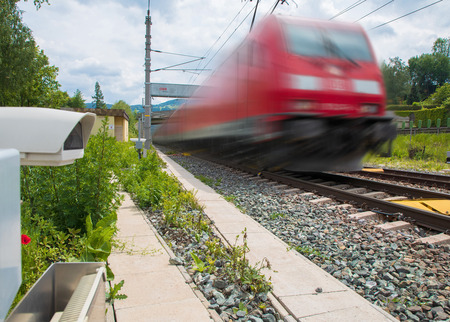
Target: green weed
(209, 181)
(306, 250)
(277, 215)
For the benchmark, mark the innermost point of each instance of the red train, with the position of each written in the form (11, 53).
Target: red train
(303, 95)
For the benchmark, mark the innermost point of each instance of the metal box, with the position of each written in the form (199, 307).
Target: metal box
(61, 291)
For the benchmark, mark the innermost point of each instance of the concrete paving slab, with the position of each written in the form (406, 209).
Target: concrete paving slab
(236, 227)
(124, 264)
(153, 288)
(342, 306)
(156, 290)
(294, 278)
(223, 211)
(140, 245)
(132, 227)
(184, 310)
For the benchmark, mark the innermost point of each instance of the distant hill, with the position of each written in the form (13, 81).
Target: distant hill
(91, 105)
(166, 106)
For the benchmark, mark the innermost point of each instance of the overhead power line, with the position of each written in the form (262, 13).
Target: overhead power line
(383, 24)
(218, 50)
(248, 14)
(210, 48)
(254, 14)
(374, 11)
(166, 52)
(168, 67)
(352, 6)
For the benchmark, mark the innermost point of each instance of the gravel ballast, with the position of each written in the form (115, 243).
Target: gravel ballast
(409, 280)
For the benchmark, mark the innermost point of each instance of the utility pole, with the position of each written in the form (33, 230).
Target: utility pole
(148, 97)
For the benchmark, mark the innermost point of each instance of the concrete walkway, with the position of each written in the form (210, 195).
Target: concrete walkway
(307, 292)
(156, 290)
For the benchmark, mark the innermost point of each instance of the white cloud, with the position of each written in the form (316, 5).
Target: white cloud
(104, 41)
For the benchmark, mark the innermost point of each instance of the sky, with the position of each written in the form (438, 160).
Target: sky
(104, 40)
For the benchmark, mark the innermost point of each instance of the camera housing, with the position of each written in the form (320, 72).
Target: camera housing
(44, 136)
(30, 136)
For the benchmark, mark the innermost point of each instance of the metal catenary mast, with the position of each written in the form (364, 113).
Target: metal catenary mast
(148, 98)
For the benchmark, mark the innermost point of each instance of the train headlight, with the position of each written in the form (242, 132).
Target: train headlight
(366, 86)
(301, 105)
(369, 108)
(307, 83)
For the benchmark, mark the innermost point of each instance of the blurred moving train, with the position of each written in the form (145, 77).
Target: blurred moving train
(303, 95)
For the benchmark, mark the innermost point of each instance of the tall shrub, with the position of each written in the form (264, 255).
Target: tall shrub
(67, 195)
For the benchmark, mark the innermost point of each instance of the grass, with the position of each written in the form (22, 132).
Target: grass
(209, 181)
(276, 215)
(307, 250)
(424, 152)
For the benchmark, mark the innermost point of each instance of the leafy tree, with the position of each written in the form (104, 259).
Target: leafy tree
(440, 96)
(77, 100)
(122, 105)
(442, 46)
(42, 88)
(428, 71)
(37, 3)
(396, 79)
(132, 128)
(17, 51)
(98, 97)
(56, 99)
(26, 78)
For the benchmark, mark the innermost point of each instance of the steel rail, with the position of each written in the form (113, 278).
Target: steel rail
(386, 187)
(419, 174)
(435, 180)
(420, 217)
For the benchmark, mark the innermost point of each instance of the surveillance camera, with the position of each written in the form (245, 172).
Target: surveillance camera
(45, 136)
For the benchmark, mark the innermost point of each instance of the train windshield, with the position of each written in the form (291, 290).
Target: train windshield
(314, 42)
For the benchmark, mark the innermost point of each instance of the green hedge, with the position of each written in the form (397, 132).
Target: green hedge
(425, 106)
(427, 114)
(402, 107)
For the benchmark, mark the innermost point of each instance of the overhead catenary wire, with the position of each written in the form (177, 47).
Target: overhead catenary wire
(248, 14)
(352, 6)
(374, 11)
(409, 13)
(169, 53)
(254, 14)
(218, 50)
(210, 48)
(168, 67)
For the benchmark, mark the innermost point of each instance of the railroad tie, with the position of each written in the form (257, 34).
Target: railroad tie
(368, 215)
(395, 225)
(320, 201)
(439, 239)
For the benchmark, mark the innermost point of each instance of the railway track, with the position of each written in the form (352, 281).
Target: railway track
(349, 190)
(432, 180)
(391, 268)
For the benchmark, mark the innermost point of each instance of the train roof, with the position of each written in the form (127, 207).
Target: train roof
(312, 22)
